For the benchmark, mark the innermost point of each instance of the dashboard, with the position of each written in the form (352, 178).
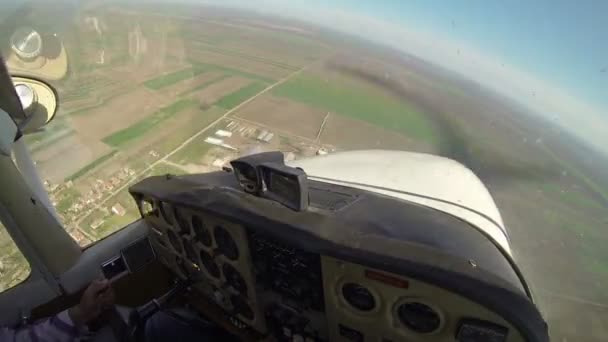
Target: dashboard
(319, 275)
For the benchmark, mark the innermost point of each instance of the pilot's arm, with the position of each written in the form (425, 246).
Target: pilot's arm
(68, 325)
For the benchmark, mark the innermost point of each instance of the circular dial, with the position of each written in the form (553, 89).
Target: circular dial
(209, 264)
(358, 297)
(165, 211)
(27, 96)
(418, 317)
(225, 243)
(26, 42)
(174, 241)
(190, 252)
(184, 229)
(241, 307)
(200, 231)
(234, 278)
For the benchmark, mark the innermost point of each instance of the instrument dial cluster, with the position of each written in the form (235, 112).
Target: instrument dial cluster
(365, 304)
(217, 250)
(271, 286)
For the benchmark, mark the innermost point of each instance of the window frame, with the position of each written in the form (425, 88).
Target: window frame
(37, 288)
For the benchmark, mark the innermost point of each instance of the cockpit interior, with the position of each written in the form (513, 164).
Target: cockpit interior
(343, 265)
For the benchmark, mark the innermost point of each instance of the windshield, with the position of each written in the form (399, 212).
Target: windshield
(515, 92)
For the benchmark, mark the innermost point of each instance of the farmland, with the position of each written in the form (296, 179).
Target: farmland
(172, 78)
(359, 102)
(133, 132)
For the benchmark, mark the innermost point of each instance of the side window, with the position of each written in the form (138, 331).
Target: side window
(14, 268)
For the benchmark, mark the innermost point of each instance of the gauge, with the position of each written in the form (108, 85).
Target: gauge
(190, 252)
(358, 297)
(27, 97)
(225, 243)
(209, 264)
(240, 307)
(234, 278)
(184, 229)
(419, 317)
(174, 241)
(200, 231)
(26, 43)
(165, 212)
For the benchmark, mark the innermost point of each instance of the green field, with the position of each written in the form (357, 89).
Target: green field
(174, 77)
(194, 126)
(234, 99)
(15, 268)
(232, 53)
(141, 127)
(573, 170)
(91, 166)
(348, 98)
(203, 85)
(191, 124)
(301, 45)
(570, 197)
(230, 71)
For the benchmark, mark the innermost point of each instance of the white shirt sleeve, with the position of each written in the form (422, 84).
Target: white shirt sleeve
(58, 328)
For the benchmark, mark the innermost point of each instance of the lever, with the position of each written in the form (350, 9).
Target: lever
(141, 314)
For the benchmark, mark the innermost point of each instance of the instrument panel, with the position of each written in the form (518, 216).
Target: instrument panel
(190, 242)
(288, 293)
(365, 304)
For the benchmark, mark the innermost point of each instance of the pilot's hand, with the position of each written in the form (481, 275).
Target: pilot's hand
(97, 298)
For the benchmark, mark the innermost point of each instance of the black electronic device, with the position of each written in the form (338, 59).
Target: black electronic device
(247, 173)
(132, 258)
(284, 184)
(114, 268)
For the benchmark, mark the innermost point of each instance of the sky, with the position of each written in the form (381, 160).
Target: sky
(551, 56)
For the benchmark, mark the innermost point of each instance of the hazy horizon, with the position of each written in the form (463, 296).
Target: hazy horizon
(522, 62)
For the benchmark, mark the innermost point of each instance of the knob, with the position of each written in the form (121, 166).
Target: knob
(27, 97)
(26, 43)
